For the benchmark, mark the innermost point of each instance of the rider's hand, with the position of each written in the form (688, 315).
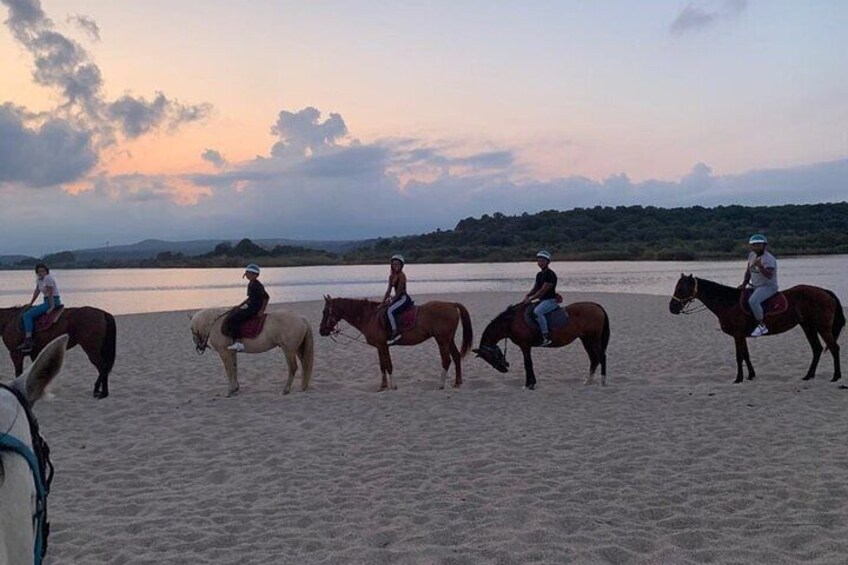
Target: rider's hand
(526, 300)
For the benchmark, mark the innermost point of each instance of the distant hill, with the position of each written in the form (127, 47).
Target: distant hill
(150, 248)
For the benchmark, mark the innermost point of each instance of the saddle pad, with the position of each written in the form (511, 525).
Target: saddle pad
(556, 319)
(46, 321)
(251, 328)
(405, 320)
(777, 304)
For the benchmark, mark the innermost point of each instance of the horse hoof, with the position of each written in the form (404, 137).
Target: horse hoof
(530, 387)
(100, 395)
(807, 377)
(442, 387)
(737, 381)
(835, 378)
(232, 393)
(457, 385)
(286, 391)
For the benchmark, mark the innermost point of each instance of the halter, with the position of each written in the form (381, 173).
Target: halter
(38, 459)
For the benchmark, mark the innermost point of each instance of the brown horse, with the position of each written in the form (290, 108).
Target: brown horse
(91, 328)
(438, 320)
(817, 310)
(586, 320)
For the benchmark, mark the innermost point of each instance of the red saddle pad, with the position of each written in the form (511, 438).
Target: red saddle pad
(405, 321)
(777, 304)
(251, 328)
(46, 321)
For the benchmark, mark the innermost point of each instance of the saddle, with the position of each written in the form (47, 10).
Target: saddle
(556, 319)
(251, 328)
(46, 321)
(406, 319)
(777, 304)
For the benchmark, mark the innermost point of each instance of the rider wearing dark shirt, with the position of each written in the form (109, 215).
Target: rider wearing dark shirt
(253, 305)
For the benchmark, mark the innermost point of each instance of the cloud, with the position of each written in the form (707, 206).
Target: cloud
(49, 153)
(303, 133)
(701, 15)
(84, 118)
(213, 156)
(88, 25)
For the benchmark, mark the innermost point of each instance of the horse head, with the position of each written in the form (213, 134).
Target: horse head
(201, 328)
(329, 318)
(685, 292)
(26, 509)
(497, 330)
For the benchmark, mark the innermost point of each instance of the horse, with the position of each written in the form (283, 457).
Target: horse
(586, 320)
(92, 328)
(435, 319)
(25, 468)
(286, 330)
(817, 310)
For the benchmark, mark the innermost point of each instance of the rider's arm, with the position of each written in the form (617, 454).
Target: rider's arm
(48, 294)
(545, 288)
(747, 278)
(34, 295)
(388, 291)
(264, 304)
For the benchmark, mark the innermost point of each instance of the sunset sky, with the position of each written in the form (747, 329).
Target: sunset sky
(178, 119)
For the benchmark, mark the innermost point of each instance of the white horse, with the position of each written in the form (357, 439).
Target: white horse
(23, 493)
(286, 330)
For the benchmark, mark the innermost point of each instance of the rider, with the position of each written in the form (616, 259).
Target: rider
(397, 281)
(545, 291)
(253, 305)
(762, 276)
(44, 284)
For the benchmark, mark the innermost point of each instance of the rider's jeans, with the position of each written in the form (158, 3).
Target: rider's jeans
(542, 308)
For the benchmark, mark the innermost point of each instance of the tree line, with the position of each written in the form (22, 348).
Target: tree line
(630, 233)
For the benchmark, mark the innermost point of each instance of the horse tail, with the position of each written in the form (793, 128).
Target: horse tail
(467, 332)
(306, 352)
(107, 348)
(838, 318)
(605, 333)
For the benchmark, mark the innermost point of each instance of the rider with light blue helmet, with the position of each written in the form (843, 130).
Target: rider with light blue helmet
(545, 291)
(253, 305)
(761, 274)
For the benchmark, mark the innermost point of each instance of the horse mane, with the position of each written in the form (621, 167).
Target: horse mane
(504, 318)
(724, 293)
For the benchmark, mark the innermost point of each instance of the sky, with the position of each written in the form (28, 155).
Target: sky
(122, 121)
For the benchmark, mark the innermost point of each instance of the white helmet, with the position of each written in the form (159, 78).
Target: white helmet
(398, 257)
(544, 255)
(252, 268)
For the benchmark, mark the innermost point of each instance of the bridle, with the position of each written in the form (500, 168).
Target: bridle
(684, 302)
(333, 324)
(38, 459)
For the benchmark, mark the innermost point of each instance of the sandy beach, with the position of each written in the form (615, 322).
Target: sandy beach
(670, 463)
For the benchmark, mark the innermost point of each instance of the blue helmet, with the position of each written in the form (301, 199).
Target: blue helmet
(757, 238)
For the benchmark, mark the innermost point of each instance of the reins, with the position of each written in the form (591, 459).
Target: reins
(688, 301)
(38, 459)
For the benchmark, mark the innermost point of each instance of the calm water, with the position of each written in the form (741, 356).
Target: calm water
(127, 291)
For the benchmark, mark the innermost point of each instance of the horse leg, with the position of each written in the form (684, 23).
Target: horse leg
(385, 366)
(816, 346)
(18, 361)
(444, 352)
(92, 351)
(741, 351)
(457, 363)
(834, 350)
(291, 362)
(591, 349)
(747, 357)
(530, 378)
(231, 367)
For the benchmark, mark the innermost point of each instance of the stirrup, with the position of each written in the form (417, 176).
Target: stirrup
(394, 339)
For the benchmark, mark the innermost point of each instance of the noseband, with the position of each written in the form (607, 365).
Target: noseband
(38, 459)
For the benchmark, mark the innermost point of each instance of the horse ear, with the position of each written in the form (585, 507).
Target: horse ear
(45, 367)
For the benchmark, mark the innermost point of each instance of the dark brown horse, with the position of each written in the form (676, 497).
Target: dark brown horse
(90, 328)
(435, 319)
(817, 310)
(586, 320)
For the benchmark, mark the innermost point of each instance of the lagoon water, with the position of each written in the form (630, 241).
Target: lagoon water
(128, 291)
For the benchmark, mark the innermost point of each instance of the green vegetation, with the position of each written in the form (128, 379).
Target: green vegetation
(591, 234)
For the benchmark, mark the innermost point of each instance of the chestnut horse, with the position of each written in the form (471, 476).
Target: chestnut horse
(92, 328)
(817, 310)
(586, 320)
(436, 319)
